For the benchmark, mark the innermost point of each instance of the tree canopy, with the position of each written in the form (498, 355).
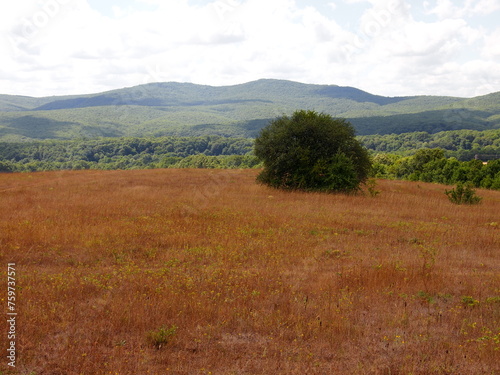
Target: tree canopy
(311, 151)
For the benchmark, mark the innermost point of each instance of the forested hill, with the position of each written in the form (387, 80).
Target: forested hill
(184, 109)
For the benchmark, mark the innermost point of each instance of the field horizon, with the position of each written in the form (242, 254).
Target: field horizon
(186, 271)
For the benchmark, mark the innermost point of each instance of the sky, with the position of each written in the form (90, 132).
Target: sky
(385, 47)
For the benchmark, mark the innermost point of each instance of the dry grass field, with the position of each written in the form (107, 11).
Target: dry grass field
(206, 272)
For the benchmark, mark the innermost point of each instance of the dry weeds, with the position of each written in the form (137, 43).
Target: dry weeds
(243, 279)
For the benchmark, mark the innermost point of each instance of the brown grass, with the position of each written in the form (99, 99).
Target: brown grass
(257, 281)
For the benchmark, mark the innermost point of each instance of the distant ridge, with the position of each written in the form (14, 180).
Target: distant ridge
(173, 108)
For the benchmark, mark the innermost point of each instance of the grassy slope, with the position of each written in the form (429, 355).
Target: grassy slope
(188, 109)
(256, 280)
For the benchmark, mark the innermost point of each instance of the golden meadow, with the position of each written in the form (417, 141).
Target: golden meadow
(207, 272)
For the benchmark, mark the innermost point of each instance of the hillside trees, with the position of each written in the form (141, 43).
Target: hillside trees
(5, 167)
(126, 153)
(430, 165)
(311, 151)
(461, 144)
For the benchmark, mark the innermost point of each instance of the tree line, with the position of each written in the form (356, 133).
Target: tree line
(431, 165)
(461, 144)
(424, 164)
(127, 153)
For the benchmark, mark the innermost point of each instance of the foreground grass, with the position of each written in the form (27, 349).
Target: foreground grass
(202, 271)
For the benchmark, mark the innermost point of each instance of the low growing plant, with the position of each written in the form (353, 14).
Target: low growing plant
(468, 301)
(162, 336)
(371, 185)
(463, 194)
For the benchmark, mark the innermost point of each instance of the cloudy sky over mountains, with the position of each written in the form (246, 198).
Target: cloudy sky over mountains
(386, 47)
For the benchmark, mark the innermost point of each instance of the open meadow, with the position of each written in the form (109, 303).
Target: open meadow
(207, 272)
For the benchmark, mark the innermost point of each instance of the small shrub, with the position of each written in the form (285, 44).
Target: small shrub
(468, 301)
(371, 185)
(463, 194)
(426, 297)
(162, 336)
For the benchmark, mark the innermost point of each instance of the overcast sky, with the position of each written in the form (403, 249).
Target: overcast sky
(386, 47)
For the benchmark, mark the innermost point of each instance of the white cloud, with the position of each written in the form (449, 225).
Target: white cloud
(65, 46)
(467, 8)
(491, 48)
(442, 39)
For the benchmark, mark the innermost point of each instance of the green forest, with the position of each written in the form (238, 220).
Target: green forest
(461, 144)
(127, 153)
(446, 157)
(188, 110)
(182, 125)
(430, 165)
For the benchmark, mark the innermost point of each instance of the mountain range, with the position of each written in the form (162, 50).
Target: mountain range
(186, 109)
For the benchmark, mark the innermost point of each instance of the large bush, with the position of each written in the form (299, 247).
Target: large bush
(311, 151)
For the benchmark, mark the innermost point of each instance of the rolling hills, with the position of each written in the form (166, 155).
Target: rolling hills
(186, 109)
